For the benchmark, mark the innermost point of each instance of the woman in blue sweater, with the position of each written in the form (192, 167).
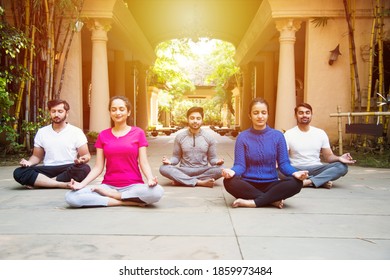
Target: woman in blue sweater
(253, 179)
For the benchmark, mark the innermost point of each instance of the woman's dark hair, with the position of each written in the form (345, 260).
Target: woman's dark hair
(257, 100)
(306, 105)
(124, 99)
(128, 105)
(195, 109)
(55, 102)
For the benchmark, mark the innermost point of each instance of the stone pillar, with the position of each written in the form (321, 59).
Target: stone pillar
(246, 97)
(131, 82)
(285, 98)
(100, 95)
(142, 112)
(119, 74)
(153, 106)
(72, 89)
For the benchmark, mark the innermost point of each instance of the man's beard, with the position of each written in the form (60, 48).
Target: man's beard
(305, 120)
(57, 120)
(195, 127)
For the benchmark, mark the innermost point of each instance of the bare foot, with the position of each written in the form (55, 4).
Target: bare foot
(29, 187)
(206, 183)
(239, 202)
(175, 183)
(115, 198)
(328, 185)
(278, 204)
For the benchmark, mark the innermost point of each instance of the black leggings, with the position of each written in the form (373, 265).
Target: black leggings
(63, 173)
(263, 193)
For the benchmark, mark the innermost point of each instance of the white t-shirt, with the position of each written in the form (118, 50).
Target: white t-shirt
(305, 147)
(60, 147)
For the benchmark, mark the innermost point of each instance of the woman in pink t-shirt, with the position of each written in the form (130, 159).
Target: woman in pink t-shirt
(123, 149)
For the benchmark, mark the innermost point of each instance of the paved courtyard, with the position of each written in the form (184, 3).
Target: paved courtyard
(349, 222)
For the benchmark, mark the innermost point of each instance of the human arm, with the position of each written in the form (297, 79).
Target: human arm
(212, 153)
(239, 166)
(35, 158)
(283, 161)
(145, 167)
(95, 172)
(212, 156)
(83, 155)
(176, 154)
(329, 157)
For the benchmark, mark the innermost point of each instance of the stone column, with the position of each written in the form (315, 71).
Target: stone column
(100, 95)
(119, 74)
(72, 88)
(246, 97)
(142, 99)
(153, 106)
(285, 99)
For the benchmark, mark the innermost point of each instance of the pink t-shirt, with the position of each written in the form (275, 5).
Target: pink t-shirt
(121, 155)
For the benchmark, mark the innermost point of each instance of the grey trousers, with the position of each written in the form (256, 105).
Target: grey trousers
(320, 174)
(189, 176)
(87, 197)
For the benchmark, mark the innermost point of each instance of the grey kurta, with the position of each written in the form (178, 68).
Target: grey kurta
(196, 156)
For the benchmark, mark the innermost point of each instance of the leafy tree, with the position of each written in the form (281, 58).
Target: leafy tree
(37, 37)
(12, 74)
(182, 65)
(226, 73)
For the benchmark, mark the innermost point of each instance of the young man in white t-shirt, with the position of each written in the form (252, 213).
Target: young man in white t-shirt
(63, 149)
(306, 145)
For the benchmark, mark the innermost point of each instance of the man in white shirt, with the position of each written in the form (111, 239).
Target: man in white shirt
(63, 149)
(306, 144)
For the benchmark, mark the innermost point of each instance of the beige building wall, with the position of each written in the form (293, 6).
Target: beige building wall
(328, 86)
(324, 86)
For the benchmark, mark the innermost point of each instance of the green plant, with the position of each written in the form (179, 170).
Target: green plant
(30, 128)
(12, 42)
(92, 136)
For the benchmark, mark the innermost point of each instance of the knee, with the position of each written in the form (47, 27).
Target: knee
(217, 172)
(156, 194)
(72, 199)
(159, 192)
(25, 176)
(342, 168)
(295, 185)
(79, 172)
(229, 184)
(164, 169)
(17, 175)
(298, 186)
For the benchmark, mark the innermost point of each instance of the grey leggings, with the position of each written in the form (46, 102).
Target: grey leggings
(189, 176)
(87, 197)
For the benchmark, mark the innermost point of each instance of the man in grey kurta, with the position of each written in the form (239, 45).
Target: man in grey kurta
(194, 151)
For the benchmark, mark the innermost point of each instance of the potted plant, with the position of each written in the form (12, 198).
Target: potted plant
(91, 137)
(152, 130)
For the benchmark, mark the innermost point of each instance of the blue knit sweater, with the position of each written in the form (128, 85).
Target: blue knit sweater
(256, 154)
